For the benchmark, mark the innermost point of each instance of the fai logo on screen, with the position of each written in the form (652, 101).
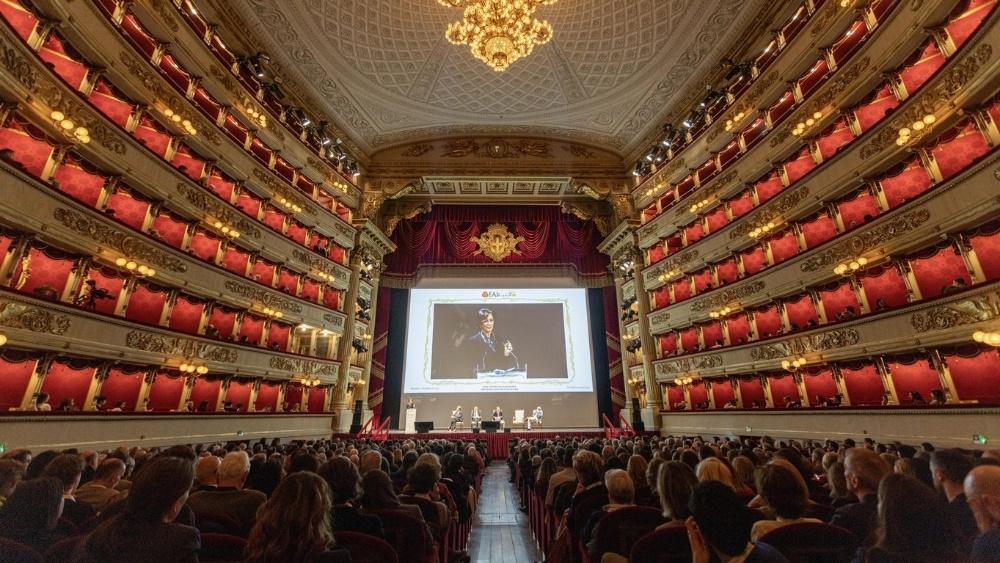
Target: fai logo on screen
(493, 294)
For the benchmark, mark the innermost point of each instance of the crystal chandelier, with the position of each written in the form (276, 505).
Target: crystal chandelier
(498, 32)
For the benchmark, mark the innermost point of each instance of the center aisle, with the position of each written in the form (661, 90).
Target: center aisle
(500, 531)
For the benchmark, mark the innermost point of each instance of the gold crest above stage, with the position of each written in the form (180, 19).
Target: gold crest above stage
(497, 243)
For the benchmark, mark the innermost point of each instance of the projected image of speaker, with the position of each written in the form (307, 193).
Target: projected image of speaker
(423, 427)
(490, 426)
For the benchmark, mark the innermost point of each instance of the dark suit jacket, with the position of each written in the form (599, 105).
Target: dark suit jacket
(228, 502)
(986, 548)
(961, 516)
(583, 505)
(858, 517)
(147, 542)
(348, 519)
(489, 352)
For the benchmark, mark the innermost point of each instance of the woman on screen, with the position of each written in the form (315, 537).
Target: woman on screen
(497, 352)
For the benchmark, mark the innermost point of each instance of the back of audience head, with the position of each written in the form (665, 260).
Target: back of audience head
(303, 461)
(674, 484)
(913, 522)
(35, 504)
(379, 493)
(67, 468)
(713, 469)
(722, 519)
(982, 490)
(160, 490)
(621, 490)
(11, 473)
(294, 524)
(343, 478)
(265, 476)
(38, 463)
(915, 467)
(423, 477)
(949, 467)
(589, 467)
(783, 489)
(863, 470)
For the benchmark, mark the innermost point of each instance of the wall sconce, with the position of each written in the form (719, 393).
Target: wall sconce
(637, 381)
(136, 268)
(793, 365)
(988, 338)
(309, 381)
(688, 380)
(324, 276)
(72, 131)
(919, 125)
(183, 123)
(730, 123)
(851, 266)
(225, 229)
(3, 339)
(669, 274)
(340, 186)
(763, 229)
(256, 115)
(700, 205)
(288, 204)
(270, 312)
(800, 127)
(719, 313)
(656, 189)
(186, 367)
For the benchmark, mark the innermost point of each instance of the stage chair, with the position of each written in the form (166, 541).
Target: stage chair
(365, 548)
(518, 419)
(813, 543)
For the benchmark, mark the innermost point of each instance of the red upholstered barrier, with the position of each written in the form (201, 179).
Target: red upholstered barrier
(799, 165)
(874, 109)
(146, 303)
(819, 385)
(267, 396)
(19, 18)
(975, 372)
(858, 209)
(801, 312)
(768, 321)
(249, 203)
(188, 162)
(65, 62)
(938, 269)
(913, 373)
(921, 67)
(819, 230)
(966, 22)
(864, 386)
(739, 328)
(153, 135)
(111, 103)
(884, 284)
(29, 147)
(128, 208)
(204, 244)
(68, 380)
(74, 179)
(123, 384)
(168, 228)
(206, 390)
(905, 182)
(956, 150)
(235, 260)
(769, 187)
(783, 246)
(16, 376)
(165, 392)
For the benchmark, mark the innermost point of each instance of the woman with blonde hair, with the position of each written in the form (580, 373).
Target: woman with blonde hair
(293, 526)
(712, 469)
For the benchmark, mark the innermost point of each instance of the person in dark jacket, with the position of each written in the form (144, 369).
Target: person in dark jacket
(345, 488)
(31, 514)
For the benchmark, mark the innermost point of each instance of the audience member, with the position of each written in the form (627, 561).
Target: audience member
(589, 470)
(294, 525)
(100, 492)
(11, 473)
(621, 494)
(423, 480)
(345, 488)
(636, 468)
(229, 502)
(949, 469)
(68, 468)
(265, 476)
(863, 470)
(675, 482)
(720, 525)
(565, 474)
(31, 514)
(982, 489)
(145, 530)
(913, 525)
(785, 496)
(206, 473)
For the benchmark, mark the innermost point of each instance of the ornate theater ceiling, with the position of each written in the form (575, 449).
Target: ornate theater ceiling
(385, 72)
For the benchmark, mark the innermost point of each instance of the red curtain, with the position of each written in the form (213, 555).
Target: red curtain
(754, 260)
(293, 394)
(784, 246)
(880, 104)
(814, 77)
(741, 204)
(235, 260)
(223, 320)
(267, 396)
(800, 312)
(819, 230)
(661, 297)
(694, 232)
(19, 18)
(77, 180)
(959, 148)
(67, 379)
(727, 271)
(206, 390)
(975, 372)
(913, 374)
(858, 210)
(728, 153)
(768, 322)
(111, 103)
(987, 247)
(185, 315)
(819, 385)
(296, 231)
(922, 66)
(221, 186)
(109, 281)
(288, 281)
(48, 272)
(331, 298)
(310, 290)
(668, 344)
(885, 284)
(754, 132)
(249, 203)
(63, 61)
(655, 253)
(165, 392)
(376, 381)
(169, 229)
(274, 218)
(263, 271)
(238, 394)
(782, 386)
(752, 391)
(800, 165)
(188, 162)
(723, 392)
(252, 328)
(781, 107)
(204, 245)
(122, 385)
(146, 304)
(963, 25)
(852, 39)
(835, 300)
(712, 334)
(260, 150)
(153, 136)
(682, 289)
(938, 269)
(905, 182)
(707, 171)
(316, 400)
(30, 148)
(703, 280)
(278, 333)
(127, 208)
(864, 386)
(698, 393)
(739, 328)
(675, 394)
(443, 237)
(689, 339)
(14, 383)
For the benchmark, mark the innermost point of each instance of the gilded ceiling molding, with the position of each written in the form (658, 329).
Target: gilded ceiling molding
(687, 365)
(820, 342)
(211, 205)
(976, 309)
(866, 241)
(14, 314)
(168, 97)
(772, 210)
(955, 77)
(180, 347)
(263, 297)
(727, 296)
(303, 367)
(118, 239)
(596, 211)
